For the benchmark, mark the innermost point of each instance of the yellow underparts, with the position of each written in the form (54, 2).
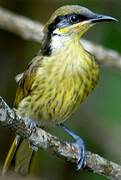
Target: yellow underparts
(62, 83)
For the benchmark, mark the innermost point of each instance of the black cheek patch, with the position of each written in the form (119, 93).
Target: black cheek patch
(59, 23)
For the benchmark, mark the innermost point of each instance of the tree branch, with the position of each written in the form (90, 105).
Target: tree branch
(32, 30)
(41, 139)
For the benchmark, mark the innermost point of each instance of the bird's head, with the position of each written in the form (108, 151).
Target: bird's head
(75, 19)
(69, 21)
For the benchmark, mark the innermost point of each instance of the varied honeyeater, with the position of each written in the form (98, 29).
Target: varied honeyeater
(57, 80)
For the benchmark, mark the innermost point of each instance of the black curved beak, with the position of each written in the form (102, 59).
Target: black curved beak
(100, 18)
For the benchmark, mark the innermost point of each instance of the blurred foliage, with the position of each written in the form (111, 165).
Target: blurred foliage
(98, 121)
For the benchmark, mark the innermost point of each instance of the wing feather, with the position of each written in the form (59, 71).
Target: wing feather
(26, 79)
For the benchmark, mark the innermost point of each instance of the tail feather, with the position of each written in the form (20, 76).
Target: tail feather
(10, 154)
(23, 158)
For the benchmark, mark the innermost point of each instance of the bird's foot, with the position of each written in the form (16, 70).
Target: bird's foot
(81, 147)
(34, 148)
(30, 124)
(81, 152)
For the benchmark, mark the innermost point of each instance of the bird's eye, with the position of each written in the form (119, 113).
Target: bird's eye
(74, 18)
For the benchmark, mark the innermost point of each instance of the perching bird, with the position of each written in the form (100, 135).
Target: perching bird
(57, 80)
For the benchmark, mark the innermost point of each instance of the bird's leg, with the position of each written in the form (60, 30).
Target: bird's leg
(81, 147)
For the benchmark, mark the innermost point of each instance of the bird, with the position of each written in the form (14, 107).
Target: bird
(57, 80)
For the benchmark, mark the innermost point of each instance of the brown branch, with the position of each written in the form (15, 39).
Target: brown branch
(41, 139)
(21, 26)
(31, 30)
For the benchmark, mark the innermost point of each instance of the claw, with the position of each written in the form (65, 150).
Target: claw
(35, 148)
(81, 147)
(82, 153)
(17, 140)
(30, 123)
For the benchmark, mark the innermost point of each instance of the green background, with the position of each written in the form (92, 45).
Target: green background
(98, 120)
